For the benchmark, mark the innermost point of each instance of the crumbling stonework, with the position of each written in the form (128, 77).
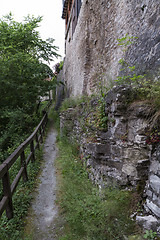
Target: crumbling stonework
(93, 51)
(152, 203)
(120, 155)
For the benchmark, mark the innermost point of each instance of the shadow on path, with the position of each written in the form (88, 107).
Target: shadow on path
(41, 221)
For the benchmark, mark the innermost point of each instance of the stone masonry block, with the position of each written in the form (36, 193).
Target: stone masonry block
(155, 183)
(148, 222)
(153, 207)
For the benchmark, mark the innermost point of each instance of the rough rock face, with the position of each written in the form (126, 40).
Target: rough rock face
(93, 51)
(152, 204)
(120, 155)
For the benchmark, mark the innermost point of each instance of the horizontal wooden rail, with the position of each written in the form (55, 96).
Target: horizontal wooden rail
(10, 188)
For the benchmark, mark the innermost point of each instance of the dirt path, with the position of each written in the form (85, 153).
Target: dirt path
(43, 212)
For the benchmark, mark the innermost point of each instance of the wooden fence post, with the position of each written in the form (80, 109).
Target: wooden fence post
(41, 134)
(46, 120)
(8, 194)
(44, 123)
(23, 164)
(32, 150)
(37, 141)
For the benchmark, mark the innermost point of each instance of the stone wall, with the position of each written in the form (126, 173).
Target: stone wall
(93, 50)
(152, 204)
(119, 155)
(60, 90)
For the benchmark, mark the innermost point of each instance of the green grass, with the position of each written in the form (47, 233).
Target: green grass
(73, 102)
(89, 213)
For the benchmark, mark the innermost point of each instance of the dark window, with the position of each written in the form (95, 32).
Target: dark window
(74, 17)
(67, 19)
(79, 3)
(70, 5)
(76, 10)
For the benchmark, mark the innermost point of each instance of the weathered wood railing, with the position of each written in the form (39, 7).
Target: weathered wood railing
(9, 188)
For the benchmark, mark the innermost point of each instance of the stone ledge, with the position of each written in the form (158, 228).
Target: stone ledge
(153, 208)
(148, 222)
(155, 183)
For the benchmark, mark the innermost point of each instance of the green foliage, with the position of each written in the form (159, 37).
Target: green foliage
(126, 41)
(92, 110)
(69, 103)
(58, 67)
(89, 214)
(145, 88)
(54, 115)
(102, 118)
(22, 77)
(150, 235)
(22, 72)
(61, 65)
(129, 76)
(152, 91)
(135, 237)
(153, 136)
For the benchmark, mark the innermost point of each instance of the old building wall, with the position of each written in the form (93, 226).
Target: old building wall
(93, 52)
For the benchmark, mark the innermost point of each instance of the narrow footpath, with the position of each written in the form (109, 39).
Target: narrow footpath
(41, 220)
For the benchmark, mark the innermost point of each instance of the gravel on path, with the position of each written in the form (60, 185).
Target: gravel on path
(41, 221)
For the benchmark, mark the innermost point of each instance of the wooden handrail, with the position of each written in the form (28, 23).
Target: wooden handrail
(9, 188)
